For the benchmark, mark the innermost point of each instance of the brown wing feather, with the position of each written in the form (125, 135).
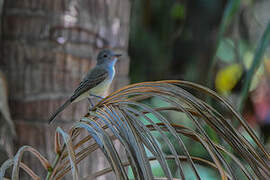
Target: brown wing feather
(92, 79)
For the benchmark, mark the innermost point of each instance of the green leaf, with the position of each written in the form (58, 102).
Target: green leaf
(230, 10)
(257, 60)
(178, 11)
(226, 50)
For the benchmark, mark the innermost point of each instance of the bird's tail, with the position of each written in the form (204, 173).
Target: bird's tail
(60, 109)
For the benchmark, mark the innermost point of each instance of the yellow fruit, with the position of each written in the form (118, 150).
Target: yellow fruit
(228, 77)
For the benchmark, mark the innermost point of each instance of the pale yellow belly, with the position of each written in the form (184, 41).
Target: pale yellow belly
(99, 90)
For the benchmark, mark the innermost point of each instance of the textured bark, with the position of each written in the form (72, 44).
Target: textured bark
(48, 45)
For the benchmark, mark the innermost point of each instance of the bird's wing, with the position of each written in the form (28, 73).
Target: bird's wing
(92, 79)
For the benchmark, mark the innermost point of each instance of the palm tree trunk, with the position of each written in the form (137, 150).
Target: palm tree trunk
(47, 46)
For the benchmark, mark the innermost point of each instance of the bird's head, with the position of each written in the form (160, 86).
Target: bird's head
(107, 56)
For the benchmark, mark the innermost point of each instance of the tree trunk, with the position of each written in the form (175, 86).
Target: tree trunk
(47, 47)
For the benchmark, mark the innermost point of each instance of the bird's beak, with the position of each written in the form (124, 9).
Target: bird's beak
(117, 55)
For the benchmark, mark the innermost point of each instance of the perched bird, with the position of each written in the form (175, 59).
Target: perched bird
(96, 82)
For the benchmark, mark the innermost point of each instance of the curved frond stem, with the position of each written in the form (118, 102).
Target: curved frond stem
(71, 153)
(182, 158)
(18, 158)
(7, 164)
(230, 108)
(129, 117)
(105, 144)
(29, 171)
(190, 133)
(171, 130)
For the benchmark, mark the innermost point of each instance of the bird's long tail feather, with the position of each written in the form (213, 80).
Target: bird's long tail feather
(60, 109)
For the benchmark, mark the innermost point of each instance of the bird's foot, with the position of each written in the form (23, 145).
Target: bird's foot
(96, 96)
(91, 104)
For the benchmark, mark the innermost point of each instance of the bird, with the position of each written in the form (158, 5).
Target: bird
(95, 83)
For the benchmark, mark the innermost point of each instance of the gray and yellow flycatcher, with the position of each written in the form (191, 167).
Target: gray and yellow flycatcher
(96, 82)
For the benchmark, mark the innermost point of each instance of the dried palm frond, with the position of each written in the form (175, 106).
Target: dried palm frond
(143, 130)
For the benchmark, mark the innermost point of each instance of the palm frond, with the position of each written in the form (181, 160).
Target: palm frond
(148, 135)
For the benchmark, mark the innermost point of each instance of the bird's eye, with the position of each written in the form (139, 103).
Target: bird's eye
(105, 55)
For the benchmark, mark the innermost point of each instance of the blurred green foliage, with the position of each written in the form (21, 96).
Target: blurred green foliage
(150, 32)
(173, 39)
(191, 40)
(226, 50)
(178, 11)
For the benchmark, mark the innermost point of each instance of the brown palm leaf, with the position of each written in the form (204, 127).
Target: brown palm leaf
(127, 117)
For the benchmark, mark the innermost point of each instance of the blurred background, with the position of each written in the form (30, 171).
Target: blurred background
(47, 46)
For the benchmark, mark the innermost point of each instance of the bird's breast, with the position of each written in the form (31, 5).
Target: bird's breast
(102, 88)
